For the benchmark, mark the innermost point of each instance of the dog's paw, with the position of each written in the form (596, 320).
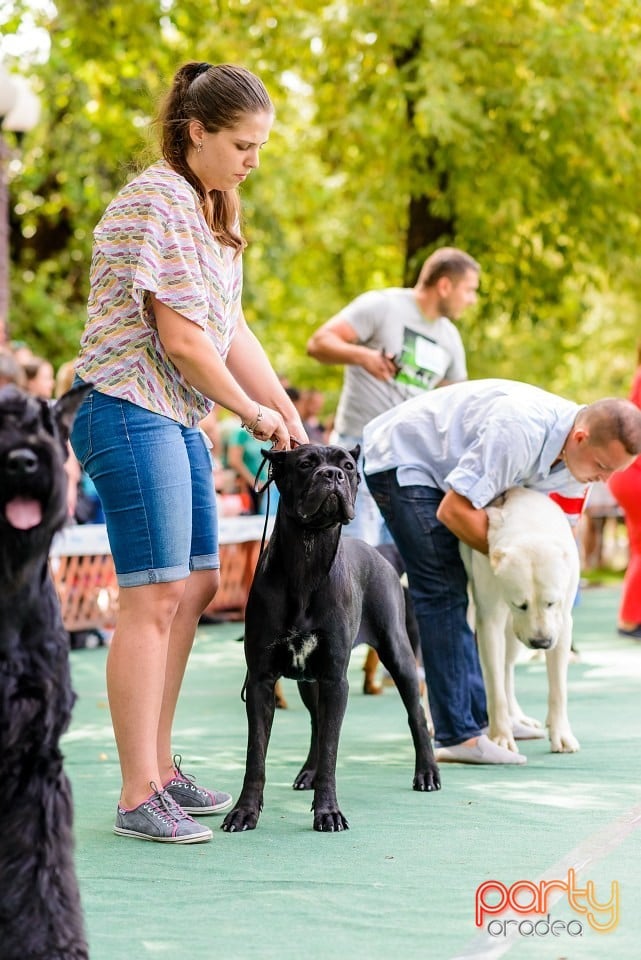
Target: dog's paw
(563, 742)
(304, 780)
(504, 740)
(330, 821)
(240, 819)
(426, 781)
(521, 720)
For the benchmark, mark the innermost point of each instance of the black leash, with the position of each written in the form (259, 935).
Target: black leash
(265, 487)
(257, 489)
(293, 442)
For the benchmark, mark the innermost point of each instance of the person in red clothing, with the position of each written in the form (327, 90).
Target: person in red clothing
(626, 489)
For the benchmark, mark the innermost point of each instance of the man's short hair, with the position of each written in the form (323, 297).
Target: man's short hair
(446, 262)
(613, 419)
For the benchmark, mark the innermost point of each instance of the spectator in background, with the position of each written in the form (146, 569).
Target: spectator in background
(311, 406)
(395, 343)
(84, 502)
(21, 351)
(309, 403)
(64, 378)
(600, 507)
(232, 498)
(61, 383)
(294, 395)
(626, 489)
(39, 377)
(10, 370)
(211, 429)
(244, 455)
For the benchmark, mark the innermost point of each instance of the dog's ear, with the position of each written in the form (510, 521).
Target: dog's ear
(355, 453)
(274, 456)
(64, 409)
(497, 558)
(276, 461)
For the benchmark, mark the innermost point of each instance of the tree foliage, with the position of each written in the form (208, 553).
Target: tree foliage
(510, 130)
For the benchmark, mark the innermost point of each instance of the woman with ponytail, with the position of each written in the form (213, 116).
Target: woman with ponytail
(165, 340)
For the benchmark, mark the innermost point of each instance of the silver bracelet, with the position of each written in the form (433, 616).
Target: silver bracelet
(251, 428)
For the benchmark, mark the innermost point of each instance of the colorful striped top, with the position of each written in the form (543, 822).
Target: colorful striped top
(153, 238)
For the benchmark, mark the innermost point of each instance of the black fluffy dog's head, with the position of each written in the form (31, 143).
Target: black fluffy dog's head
(33, 449)
(317, 483)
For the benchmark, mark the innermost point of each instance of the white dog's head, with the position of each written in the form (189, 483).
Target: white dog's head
(538, 580)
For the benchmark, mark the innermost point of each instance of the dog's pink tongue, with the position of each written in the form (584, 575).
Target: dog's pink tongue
(22, 513)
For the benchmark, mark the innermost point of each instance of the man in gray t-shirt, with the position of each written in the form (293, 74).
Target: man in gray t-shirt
(396, 343)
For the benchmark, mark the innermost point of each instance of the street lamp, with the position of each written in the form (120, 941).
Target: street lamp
(19, 112)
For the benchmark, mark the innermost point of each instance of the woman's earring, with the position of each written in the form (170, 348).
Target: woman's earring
(199, 147)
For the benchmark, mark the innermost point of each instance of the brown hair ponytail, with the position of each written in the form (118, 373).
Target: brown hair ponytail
(216, 96)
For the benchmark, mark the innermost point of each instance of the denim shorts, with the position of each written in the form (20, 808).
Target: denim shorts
(155, 483)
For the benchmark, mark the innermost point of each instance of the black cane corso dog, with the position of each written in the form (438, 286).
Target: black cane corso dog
(310, 592)
(40, 911)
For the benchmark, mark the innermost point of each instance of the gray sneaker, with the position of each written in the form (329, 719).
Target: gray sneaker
(192, 798)
(160, 818)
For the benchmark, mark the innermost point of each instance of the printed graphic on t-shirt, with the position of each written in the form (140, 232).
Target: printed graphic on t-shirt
(422, 362)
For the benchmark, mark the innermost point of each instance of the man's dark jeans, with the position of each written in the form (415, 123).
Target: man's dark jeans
(438, 586)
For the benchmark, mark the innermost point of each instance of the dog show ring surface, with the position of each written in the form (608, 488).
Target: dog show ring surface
(84, 575)
(409, 877)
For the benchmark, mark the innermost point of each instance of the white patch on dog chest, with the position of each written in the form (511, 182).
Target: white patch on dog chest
(301, 648)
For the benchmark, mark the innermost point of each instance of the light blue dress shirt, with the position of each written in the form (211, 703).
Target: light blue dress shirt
(478, 438)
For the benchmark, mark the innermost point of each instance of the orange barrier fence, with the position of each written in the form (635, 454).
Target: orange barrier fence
(85, 579)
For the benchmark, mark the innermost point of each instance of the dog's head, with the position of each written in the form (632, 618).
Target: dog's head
(33, 449)
(317, 483)
(537, 582)
(536, 563)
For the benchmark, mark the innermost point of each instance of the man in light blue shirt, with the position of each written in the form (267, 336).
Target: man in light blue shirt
(433, 464)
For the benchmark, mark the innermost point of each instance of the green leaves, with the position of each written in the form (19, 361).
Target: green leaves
(510, 130)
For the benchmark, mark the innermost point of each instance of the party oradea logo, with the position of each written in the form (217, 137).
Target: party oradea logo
(531, 902)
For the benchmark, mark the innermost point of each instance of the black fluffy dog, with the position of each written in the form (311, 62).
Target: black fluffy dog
(310, 592)
(40, 912)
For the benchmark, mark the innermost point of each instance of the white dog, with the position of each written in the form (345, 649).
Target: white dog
(524, 590)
